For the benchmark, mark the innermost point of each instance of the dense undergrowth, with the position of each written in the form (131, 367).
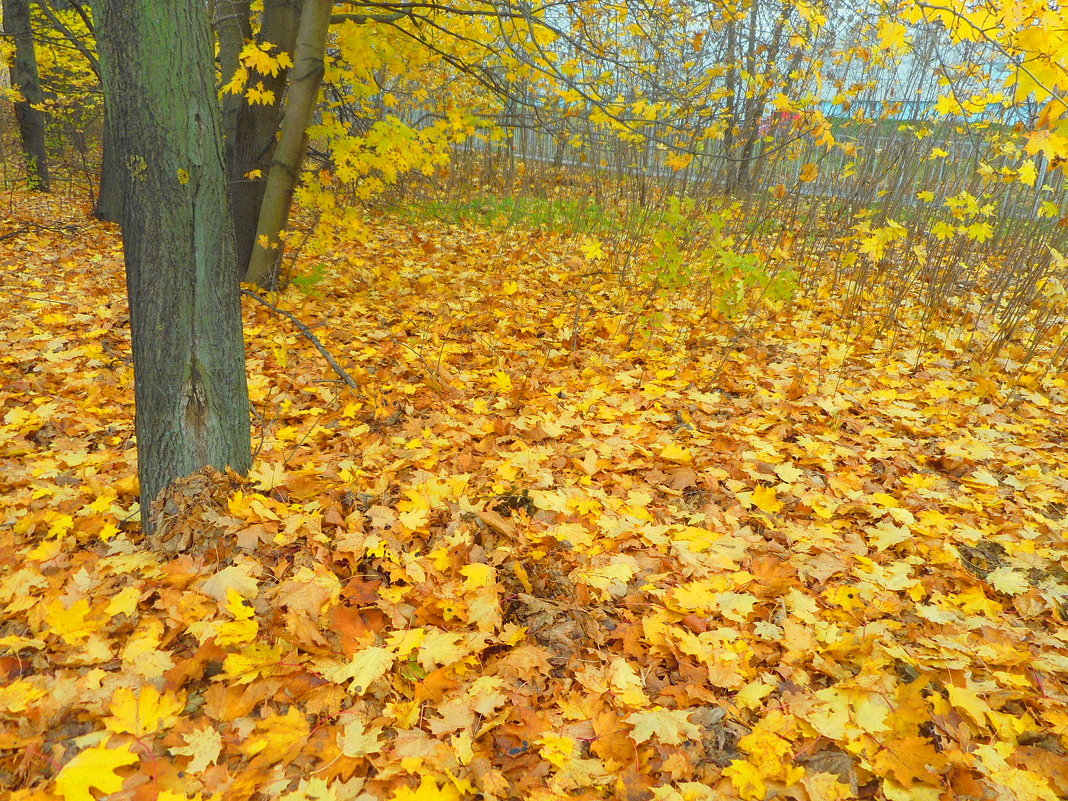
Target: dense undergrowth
(557, 544)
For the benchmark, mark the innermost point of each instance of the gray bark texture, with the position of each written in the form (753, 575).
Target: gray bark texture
(109, 197)
(185, 315)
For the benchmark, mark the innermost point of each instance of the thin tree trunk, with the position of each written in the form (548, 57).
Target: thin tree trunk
(185, 314)
(233, 27)
(28, 114)
(307, 76)
(732, 102)
(251, 130)
(109, 197)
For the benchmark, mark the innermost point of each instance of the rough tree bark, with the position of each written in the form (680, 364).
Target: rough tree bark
(109, 196)
(250, 130)
(185, 316)
(303, 94)
(24, 76)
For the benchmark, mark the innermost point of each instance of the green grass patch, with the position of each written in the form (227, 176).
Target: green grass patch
(564, 215)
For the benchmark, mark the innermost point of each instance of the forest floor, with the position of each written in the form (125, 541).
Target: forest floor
(522, 560)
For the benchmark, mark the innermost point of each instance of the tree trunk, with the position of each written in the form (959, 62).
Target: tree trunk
(185, 314)
(109, 198)
(31, 121)
(250, 130)
(308, 69)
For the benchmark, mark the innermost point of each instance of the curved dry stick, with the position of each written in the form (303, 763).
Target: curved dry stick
(344, 376)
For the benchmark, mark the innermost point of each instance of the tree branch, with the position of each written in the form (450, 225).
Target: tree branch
(337, 368)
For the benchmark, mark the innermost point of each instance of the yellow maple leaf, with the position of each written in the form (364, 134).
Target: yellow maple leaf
(477, 576)
(980, 231)
(557, 749)
(19, 695)
(70, 624)
(141, 655)
(969, 702)
(143, 711)
(885, 500)
(406, 641)
(355, 739)
(501, 381)
(235, 577)
(236, 632)
(669, 726)
(236, 82)
(893, 36)
(93, 767)
(613, 576)
(259, 659)
(752, 694)
(277, 734)
(591, 249)
(1027, 174)
(943, 230)
(366, 667)
(736, 606)
(440, 648)
(257, 94)
(764, 499)
(674, 452)
(204, 746)
(124, 602)
(809, 172)
(679, 161)
(626, 683)
(1008, 581)
(788, 473)
(311, 788)
(747, 780)
(258, 57)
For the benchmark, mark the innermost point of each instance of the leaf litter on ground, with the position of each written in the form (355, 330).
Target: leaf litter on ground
(522, 561)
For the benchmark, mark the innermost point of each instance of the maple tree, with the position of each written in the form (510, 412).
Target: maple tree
(192, 397)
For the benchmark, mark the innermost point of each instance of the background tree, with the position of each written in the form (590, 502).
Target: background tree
(68, 25)
(185, 317)
(249, 128)
(292, 143)
(25, 78)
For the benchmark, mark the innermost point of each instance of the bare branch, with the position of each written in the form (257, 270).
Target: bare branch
(337, 368)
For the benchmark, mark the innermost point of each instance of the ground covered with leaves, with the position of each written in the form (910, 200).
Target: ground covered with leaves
(530, 558)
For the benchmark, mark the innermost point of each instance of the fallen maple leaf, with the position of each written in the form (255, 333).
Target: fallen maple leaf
(365, 667)
(143, 711)
(93, 767)
(764, 499)
(669, 726)
(356, 739)
(204, 746)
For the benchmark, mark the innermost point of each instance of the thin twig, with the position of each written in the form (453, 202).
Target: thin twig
(69, 230)
(39, 299)
(344, 376)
